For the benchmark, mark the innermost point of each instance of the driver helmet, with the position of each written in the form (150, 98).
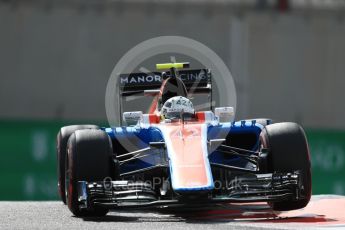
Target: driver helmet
(175, 106)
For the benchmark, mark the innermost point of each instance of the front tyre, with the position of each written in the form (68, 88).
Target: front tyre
(288, 152)
(88, 159)
(61, 152)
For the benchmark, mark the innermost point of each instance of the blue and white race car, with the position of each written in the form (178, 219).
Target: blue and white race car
(175, 155)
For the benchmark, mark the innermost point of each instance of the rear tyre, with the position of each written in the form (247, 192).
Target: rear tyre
(88, 159)
(61, 145)
(288, 151)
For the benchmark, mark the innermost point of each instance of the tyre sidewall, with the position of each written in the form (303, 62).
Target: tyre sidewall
(61, 152)
(85, 163)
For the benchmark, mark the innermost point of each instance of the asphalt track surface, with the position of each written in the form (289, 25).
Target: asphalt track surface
(324, 212)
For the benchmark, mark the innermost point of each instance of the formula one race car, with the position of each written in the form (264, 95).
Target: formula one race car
(175, 155)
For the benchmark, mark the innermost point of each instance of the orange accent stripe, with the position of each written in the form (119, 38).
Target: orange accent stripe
(200, 116)
(154, 103)
(153, 118)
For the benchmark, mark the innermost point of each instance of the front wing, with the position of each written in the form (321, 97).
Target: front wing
(254, 188)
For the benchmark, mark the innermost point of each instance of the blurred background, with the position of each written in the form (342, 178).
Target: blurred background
(287, 58)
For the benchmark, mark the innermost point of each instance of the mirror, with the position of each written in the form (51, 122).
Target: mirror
(224, 114)
(132, 118)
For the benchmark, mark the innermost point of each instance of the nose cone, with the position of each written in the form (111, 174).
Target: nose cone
(188, 158)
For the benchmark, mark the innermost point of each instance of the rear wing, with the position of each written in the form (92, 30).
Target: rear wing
(195, 80)
(198, 82)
